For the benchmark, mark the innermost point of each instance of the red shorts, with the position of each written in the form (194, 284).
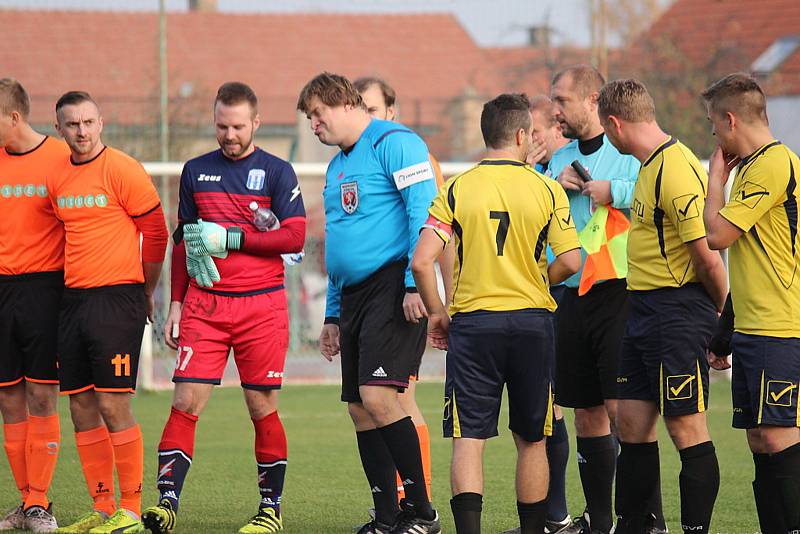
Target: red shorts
(255, 327)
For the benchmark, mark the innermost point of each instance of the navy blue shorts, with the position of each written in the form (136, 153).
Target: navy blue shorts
(489, 350)
(664, 349)
(765, 381)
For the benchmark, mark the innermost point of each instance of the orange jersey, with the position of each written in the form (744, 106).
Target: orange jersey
(437, 170)
(31, 238)
(97, 201)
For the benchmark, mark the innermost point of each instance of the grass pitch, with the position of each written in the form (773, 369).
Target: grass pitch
(325, 488)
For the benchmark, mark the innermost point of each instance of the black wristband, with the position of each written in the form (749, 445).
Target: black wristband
(331, 320)
(411, 290)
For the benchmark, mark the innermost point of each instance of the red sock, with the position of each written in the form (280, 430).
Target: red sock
(129, 460)
(44, 440)
(15, 437)
(97, 461)
(271, 453)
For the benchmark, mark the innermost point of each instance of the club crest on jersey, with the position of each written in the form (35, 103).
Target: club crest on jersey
(255, 179)
(349, 197)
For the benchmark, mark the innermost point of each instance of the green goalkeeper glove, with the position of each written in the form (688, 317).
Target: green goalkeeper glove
(202, 269)
(210, 239)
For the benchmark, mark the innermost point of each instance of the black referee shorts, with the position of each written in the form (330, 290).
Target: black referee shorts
(378, 346)
(588, 343)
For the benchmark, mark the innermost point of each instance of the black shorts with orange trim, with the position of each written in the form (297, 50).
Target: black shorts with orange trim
(379, 347)
(664, 349)
(765, 383)
(99, 338)
(29, 305)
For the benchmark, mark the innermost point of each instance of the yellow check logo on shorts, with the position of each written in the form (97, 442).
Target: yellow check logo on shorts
(679, 387)
(779, 392)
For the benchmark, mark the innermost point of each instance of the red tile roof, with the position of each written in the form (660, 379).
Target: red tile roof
(730, 35)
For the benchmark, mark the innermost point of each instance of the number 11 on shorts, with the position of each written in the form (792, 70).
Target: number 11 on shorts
(122, 365)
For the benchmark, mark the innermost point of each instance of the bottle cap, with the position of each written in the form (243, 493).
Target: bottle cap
(254, 205)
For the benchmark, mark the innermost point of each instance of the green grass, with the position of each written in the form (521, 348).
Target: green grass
(325, 489)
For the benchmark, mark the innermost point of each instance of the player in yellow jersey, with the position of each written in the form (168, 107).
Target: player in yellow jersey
(677, 285)
(501, 214)
(759, 226)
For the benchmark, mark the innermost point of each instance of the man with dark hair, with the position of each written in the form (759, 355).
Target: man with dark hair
(590, 326)
(115, 243)
(379, 97)
(31, 284)
(377, 191)
(677, 285)
(218, 194)
(502, 214)
(759, 225)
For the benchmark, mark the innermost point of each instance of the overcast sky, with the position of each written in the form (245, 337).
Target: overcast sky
(490, 22)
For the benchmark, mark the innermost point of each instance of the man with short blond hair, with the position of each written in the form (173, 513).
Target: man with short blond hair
(31, 285)
(376, 195)
(677, 286)
(759, 226)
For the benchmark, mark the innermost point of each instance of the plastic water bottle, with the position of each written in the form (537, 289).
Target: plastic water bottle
(265, 220)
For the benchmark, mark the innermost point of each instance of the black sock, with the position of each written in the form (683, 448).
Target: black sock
(173, 466)
(557, 456)
(699, 484)
(532, 517)
(379, 468)
(403, 442)
(770, 512)
(466, 509)
(636, 483)
(786, 472)
(597, 460)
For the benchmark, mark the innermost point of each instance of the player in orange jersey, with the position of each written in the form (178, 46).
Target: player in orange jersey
(106, 201)
(31, 284)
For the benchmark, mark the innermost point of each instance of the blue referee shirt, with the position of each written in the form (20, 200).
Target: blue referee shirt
(376, 197)
(605, 163)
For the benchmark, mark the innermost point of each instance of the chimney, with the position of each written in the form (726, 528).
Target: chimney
(539, 36)
(203, 6)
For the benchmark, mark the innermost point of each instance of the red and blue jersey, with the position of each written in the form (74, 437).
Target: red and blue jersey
(217, 189)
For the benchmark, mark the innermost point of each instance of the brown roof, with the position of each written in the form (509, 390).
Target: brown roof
(730, 34)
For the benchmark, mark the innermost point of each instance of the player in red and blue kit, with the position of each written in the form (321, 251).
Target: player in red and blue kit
(245, 310)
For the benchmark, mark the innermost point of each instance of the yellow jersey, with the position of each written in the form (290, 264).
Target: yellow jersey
(763, 262)
(666, 214)
(502, 214)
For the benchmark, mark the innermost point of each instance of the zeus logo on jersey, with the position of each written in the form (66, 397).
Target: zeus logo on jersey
(85, 201)
(209, 178)
(413, 175)
(255, 179)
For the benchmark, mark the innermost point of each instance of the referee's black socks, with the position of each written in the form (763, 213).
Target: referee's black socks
(403, 442)
(597, 460)
(379, 468)
(699, 485)
(466, 509)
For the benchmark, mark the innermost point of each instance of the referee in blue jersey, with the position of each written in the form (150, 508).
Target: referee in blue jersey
(590, 327)
(377, 192)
